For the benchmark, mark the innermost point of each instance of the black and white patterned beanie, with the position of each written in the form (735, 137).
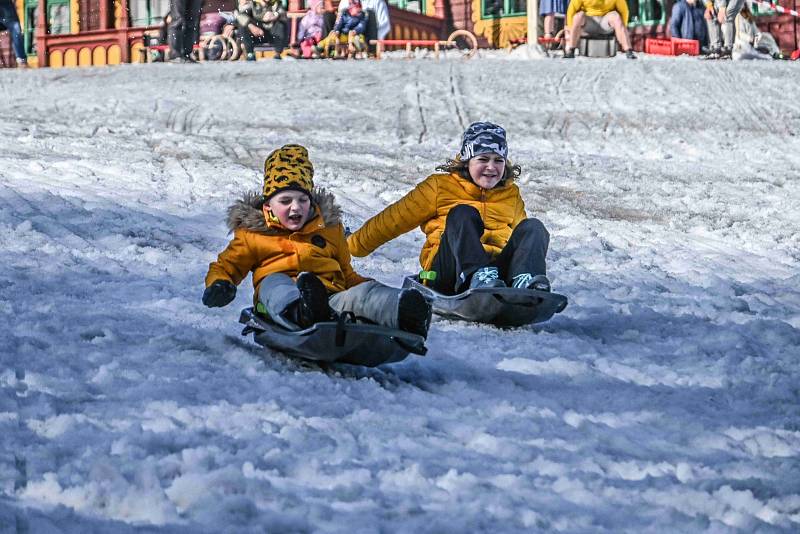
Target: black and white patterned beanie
(483, 138)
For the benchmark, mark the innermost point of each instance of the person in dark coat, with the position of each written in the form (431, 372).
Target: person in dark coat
(184, 29)
(687, 22)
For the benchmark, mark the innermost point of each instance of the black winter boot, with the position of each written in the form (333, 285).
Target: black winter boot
(413, 313)
(313, 305)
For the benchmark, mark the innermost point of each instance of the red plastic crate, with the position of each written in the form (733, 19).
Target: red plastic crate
(689, 47)
(660, 47)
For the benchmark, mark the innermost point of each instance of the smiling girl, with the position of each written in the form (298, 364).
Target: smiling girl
(291, 238)
(477, 231)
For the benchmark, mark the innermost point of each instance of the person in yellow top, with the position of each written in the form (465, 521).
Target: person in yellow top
(597, 17)
(291, 238)
(473, 216)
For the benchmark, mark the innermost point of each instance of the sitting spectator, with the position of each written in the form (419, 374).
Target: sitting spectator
(309, 31)
(597, 17)
(687, 22)
(10, 21)
(353, 24)
(750, 42)
(261, 22)
(377, 11)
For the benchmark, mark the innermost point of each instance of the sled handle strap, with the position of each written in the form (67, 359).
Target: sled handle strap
(341, 332)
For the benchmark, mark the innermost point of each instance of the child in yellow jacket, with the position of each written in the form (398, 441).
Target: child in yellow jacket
(472, 214)
(291, 238)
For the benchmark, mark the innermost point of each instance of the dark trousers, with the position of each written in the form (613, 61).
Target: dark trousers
(275, 36)
(10, 21)
(461, 252)
(328, 21)
(185, 26)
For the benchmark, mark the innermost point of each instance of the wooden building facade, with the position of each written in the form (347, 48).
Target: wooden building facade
(108, 32)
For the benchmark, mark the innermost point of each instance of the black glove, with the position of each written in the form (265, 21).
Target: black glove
(219, 293)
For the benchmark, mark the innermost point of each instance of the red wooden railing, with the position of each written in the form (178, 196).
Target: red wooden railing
(122, 37)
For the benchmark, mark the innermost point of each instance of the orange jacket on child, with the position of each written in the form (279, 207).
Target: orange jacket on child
(427, 206)
(265, 247)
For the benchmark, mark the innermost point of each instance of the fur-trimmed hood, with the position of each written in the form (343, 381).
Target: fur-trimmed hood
(247, 213)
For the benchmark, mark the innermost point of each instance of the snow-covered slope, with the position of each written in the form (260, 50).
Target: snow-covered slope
(665, 398)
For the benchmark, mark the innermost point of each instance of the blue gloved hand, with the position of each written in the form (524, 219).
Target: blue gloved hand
(219, 293)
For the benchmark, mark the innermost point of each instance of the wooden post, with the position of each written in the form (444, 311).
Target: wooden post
(438, 9)
(103, 14)
(124, 21)
(408, 50)
(533, 24)
(436, 50)
(294, 5)
(41, 33)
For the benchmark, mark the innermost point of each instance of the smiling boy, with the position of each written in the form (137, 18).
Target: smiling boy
(292, 239)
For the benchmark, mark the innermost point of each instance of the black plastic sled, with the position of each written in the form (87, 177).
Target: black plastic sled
(500, 306)
(336, 341)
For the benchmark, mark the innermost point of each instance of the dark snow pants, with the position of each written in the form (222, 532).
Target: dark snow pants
(274, 35)
(461, 252)
(184, 29)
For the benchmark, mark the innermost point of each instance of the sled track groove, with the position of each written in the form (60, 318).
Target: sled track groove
(184, 119)
(562, 125)
(457, 96)
(402, 120)
(424, 129)
(600, 104)
(30, 211)
(761, 119)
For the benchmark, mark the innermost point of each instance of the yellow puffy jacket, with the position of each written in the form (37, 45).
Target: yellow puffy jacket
(265, 247)
(597, 8)
(427, 206)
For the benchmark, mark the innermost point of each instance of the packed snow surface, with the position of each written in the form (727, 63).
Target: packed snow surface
(665, 398)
